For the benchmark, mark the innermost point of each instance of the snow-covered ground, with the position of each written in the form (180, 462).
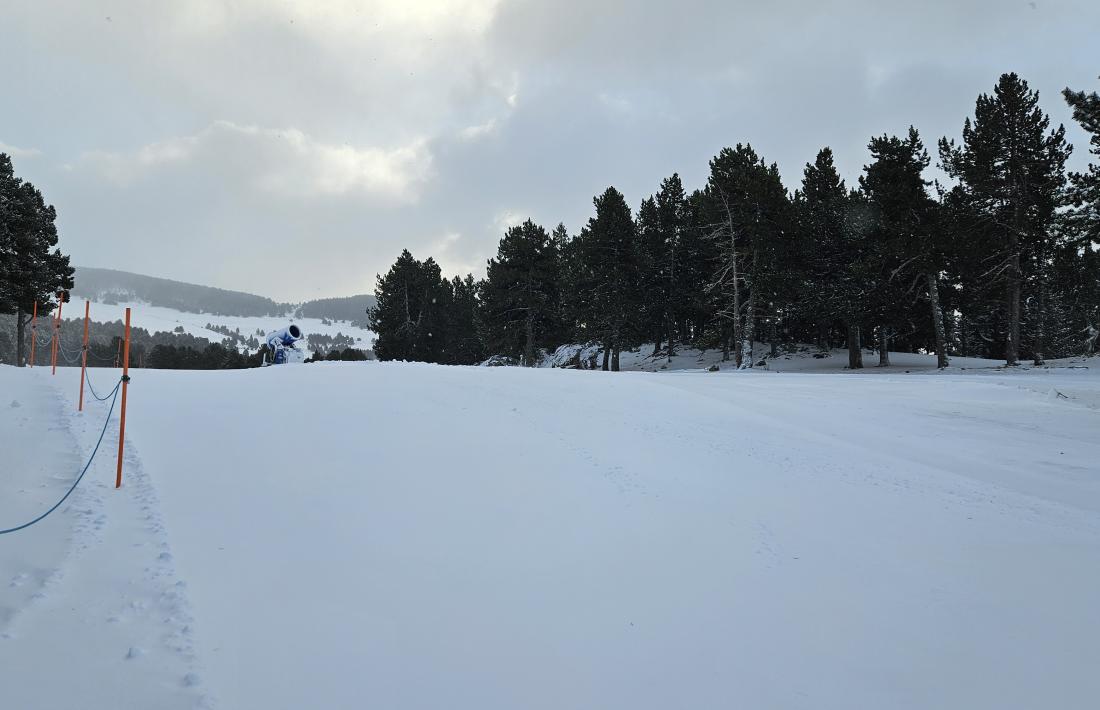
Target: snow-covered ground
(395, 535)
(158, 318)
(800, 359)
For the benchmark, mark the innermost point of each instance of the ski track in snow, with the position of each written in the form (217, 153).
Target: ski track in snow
(110, 604)
(910, 470)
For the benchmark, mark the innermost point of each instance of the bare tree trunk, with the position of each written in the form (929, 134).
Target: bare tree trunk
(20, 332)
(615, 359)
(736, 297)
(744, 351)
(606, 357)
(937, 319)
(657, 341)
(1040, 325)
(669, 320)
(883, 346)
(670, 325)
(1012, 344)
(725, 342)
(961, 328)
(855, 351)
(773, 334)
(529, 344)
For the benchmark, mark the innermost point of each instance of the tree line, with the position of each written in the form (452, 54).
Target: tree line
(1002, 262)
(163, 350)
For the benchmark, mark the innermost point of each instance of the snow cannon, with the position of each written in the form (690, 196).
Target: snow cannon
(281, 345)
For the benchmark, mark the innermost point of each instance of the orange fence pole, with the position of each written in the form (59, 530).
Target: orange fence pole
(84, 357)
(122, 415)
(56, 335)
(34, 326)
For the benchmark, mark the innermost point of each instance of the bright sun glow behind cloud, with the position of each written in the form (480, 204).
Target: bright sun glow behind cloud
(283, 161)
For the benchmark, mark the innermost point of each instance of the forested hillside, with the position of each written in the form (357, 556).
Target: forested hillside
(111, 286)
(351, 308)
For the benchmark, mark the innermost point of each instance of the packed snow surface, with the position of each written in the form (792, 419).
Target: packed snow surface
(391, 535)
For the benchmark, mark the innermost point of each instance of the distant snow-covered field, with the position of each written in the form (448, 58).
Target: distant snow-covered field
(158, 318)
(398, 535)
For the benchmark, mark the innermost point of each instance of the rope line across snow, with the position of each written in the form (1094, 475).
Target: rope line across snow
(91, 389)
(113, 396)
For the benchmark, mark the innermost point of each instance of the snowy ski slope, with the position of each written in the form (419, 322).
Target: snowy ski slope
(392, 535)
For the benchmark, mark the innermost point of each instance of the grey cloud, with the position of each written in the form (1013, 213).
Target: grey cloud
(227, 143)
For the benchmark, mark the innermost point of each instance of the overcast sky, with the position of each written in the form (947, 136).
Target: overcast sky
(292, 148)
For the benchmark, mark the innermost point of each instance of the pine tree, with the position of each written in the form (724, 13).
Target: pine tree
(651, 244)
(410, 313)
(576, 284)
(1085, 192)
(668, 259)
(1010, 168)
(520, 302)
(696, 305)
(1080, 286)
(32, 268)
(661, 225)
(460, 336)
(751, 217)
(612, 250)
(831, 252)
(563, 333)
(906, 224)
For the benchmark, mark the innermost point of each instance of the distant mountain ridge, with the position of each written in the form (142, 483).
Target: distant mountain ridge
(349, 308)
(112, 286)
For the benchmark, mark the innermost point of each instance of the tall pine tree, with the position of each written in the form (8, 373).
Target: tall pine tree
(410, 314)
(520, 303)
(831, 253)
(750, 217)
(906, 223)
(615, 258)
(1010, 167)
(1079, 261)
(1085, 192)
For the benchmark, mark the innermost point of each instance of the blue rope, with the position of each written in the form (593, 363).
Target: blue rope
(114, 395)
(92, 389)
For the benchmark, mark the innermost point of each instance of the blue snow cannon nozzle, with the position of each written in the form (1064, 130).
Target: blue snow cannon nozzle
(287, 336)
